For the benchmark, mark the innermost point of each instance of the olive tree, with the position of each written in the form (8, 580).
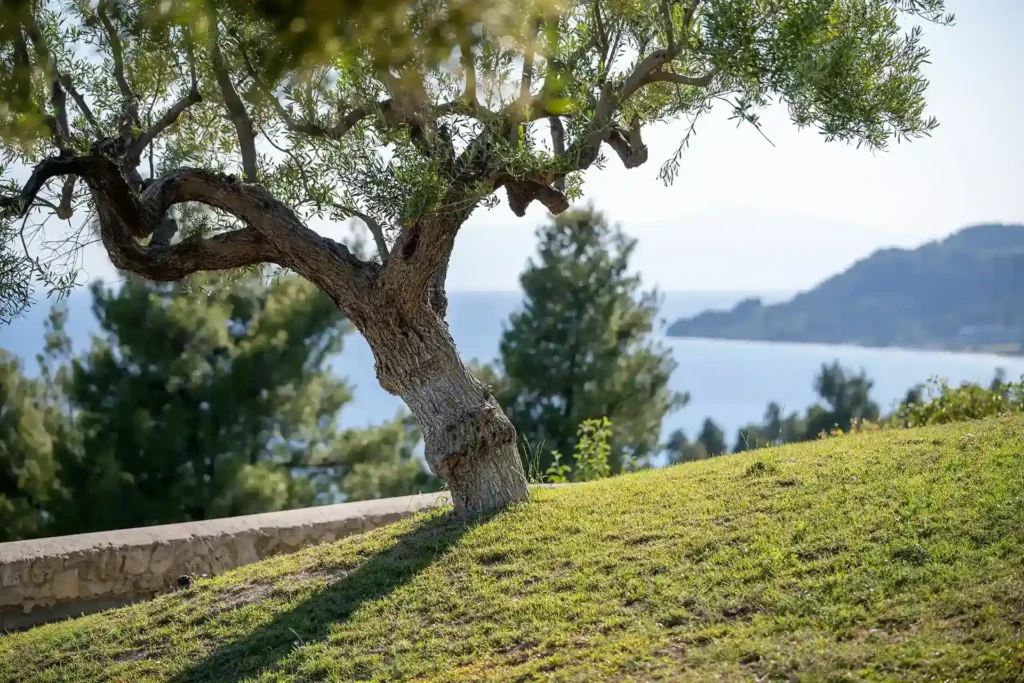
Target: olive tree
(180, 136)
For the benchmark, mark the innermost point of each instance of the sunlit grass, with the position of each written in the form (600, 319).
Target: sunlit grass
(896, 555)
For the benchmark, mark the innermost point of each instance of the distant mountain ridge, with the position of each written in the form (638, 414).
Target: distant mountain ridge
(964, 292)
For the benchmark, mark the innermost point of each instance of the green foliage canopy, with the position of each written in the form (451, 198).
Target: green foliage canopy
(122, 116)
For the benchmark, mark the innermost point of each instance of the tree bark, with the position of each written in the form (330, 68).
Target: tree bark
(469, 441)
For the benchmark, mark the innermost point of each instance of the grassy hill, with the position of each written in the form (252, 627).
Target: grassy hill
(887, 556)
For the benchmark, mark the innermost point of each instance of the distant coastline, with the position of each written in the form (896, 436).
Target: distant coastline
(962, 294)
(966, 351)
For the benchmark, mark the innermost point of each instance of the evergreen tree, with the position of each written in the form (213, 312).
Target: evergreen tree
(712, 438)
(199, 400)
(582, 348)
(847, 398)
(28, 458)
(679, 448)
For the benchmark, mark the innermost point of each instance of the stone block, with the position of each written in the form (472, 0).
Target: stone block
(111, 564)
(92, 587)
(193, 558)
(45, 568)
(65, 585)
(139, 563)
(13, 574)
(12, 595)
(221, 560)
(136, 560)
(162, 559)
(293, 538)
(125, 585)
(80, 561)
(150, 583)
(245, 550)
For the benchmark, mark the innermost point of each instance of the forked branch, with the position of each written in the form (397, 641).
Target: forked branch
(163, 123)
(80, 102)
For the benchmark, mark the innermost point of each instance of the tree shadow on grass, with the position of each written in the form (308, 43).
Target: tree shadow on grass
(311, 621)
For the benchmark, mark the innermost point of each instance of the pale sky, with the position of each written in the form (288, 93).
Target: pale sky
(746, 216)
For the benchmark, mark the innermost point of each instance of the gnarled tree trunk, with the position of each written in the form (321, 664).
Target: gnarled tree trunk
(469, 442)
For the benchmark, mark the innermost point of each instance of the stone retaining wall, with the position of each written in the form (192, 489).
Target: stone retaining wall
(53, 578)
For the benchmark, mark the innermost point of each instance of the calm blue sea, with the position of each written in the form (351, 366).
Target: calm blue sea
(729, 381)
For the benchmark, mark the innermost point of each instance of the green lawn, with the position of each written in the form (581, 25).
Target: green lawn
(888, 556)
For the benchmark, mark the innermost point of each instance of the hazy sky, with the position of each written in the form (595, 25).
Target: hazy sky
(746, 216)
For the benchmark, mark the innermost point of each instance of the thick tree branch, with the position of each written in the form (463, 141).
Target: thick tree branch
(22, 70)
(274, 233)
(418, 263)
(190, 54)
(165, 232)
(630, 147)
(602, 35)
(522, 192)
(329, 265)
(335, 132)
(19, 204)
(647, 70)
(519, 110)
(236, 110)
(644, 69)
(58, 121)
(465, 108)
(166, 262)
(438, 297)
(67, 193)
(410, 106)
(526, 82)
(62, 131)
(122, 217)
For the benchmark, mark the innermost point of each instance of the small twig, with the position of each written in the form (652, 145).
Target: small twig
(466, 56)
(557, 146)
(117, 53)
